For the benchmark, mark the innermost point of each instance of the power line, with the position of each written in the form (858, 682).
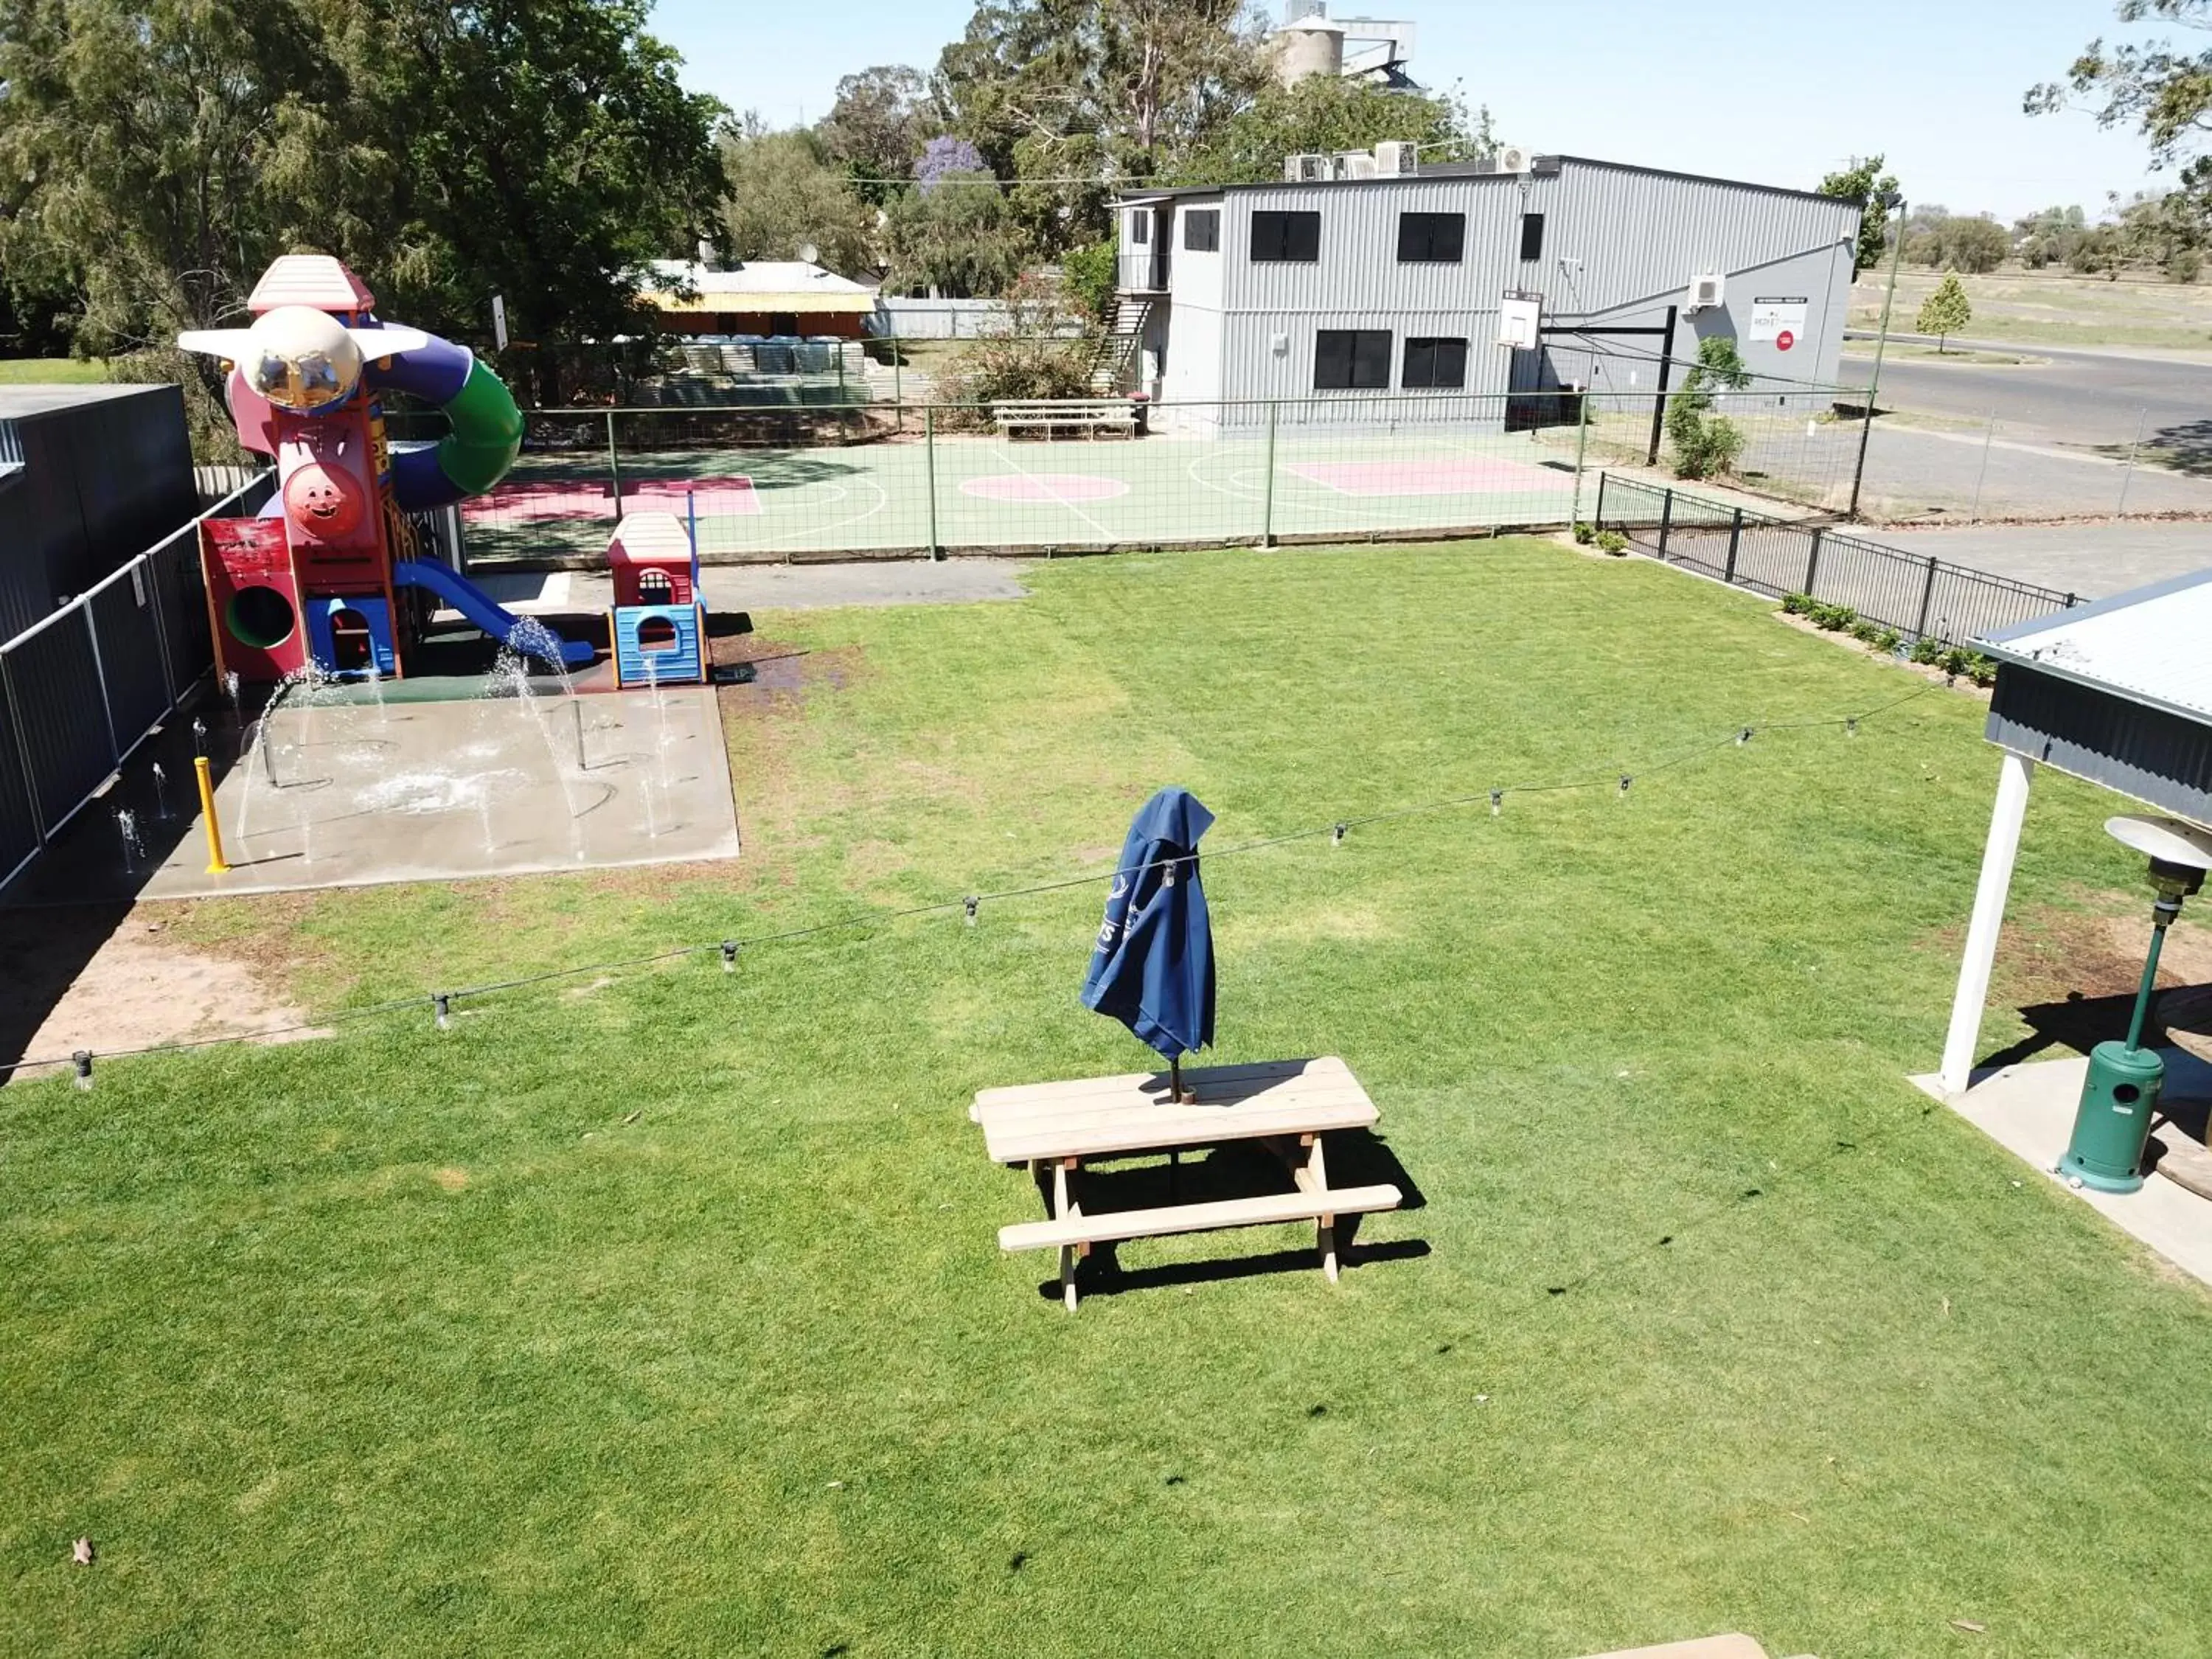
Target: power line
(1619, 780)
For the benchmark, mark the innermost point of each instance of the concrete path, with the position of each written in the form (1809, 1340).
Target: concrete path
(780, 587)
(2092, 560)
(2029, 1110)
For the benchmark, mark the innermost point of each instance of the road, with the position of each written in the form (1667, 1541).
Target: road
(2088, 400)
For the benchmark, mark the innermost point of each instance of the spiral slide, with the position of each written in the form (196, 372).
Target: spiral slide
(483, 436)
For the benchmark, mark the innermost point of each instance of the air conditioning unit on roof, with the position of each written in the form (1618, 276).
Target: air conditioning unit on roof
(1352, 164)
(1305, 169)
(1395, 158)
(1707, 292)
(1513, 159)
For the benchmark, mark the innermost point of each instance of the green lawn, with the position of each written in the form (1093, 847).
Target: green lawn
(413, 1343)
(52, 371)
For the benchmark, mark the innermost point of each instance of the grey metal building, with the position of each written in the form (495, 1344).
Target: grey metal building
(1400, 282)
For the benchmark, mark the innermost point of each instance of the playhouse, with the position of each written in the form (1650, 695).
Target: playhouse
(657, 630)
(333, 576)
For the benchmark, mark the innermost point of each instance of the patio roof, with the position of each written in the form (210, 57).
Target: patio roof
(2118, 692)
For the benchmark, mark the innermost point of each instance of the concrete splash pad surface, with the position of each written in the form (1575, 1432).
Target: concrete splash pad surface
(355, 793)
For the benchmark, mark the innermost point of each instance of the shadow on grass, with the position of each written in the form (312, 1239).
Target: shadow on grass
(1236, 1169)
(2079, 1022)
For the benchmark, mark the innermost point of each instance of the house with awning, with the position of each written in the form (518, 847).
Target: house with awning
(777, 299)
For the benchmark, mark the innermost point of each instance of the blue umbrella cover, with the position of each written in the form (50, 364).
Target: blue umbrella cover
(1153, 966)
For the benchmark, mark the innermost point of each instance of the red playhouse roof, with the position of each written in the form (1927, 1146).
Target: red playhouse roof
(649, 538)
(309, 279)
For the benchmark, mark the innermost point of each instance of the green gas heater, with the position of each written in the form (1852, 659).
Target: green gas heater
(2120, 1093)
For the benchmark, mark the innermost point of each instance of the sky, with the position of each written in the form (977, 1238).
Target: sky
(1775, 92)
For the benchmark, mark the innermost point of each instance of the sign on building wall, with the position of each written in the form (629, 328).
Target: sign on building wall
(1778, 320)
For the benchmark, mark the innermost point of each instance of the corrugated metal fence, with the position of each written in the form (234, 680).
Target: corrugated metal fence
(81, 688)
(1917, 596)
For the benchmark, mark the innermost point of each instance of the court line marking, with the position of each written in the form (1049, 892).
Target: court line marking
(1103, 533)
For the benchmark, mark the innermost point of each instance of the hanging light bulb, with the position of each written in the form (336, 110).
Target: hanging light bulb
(969, 905)
(1336, 835)
(1497, 802)
(1626, 779)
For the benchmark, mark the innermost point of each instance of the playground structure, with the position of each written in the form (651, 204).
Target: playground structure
(657, 630)
(331, 579)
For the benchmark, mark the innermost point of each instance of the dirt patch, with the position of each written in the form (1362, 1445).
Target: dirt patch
(2053, 955)
(92, 979)
(451, 1178)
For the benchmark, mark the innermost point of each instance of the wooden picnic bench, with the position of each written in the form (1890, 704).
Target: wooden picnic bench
(1285, 1105)
(1092, 414)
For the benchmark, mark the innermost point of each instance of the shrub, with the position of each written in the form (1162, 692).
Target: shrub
(1032, 357)
(1090, 273)
(1583, 533)
(1830, 618)
(1886, 640)
(1927, 650)
(1707, 445)
(1613, 542)
(1796, 605)
(2184, 265)
(1864, 631)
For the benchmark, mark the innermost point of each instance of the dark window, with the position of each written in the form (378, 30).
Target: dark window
(1435, 363)
(1286, 238)
(1430, 238)
(1532, 235)
(1351, 359)
(1140, 226)
(782, 324)
(1202, 229)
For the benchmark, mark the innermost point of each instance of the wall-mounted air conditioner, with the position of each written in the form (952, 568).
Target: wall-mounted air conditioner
(1395, 158)
(1305, 169)
(1706, 291)
(1513, 159)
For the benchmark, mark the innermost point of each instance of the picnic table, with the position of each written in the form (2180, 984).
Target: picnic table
(1286, 1105)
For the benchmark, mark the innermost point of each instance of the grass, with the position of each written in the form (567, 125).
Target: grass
(418, 1343)
(2040, 308)
(1914, 352)
(52, 371)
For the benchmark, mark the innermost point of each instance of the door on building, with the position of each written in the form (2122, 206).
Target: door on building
(1163, 242)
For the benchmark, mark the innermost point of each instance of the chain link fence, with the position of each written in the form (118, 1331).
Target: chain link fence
(1918, 596)
(85, 686)
(842, 479)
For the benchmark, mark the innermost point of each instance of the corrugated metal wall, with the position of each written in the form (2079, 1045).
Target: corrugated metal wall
(2148, 753)
(1618, 243)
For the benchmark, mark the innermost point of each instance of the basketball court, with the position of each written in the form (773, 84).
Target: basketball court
(994, 492)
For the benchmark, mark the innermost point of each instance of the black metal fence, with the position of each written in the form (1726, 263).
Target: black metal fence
(81, 688)
(1917, 596)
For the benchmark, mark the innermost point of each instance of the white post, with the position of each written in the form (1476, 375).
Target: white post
(1988, 916)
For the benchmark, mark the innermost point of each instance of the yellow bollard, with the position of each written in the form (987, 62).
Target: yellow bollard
(217, 865)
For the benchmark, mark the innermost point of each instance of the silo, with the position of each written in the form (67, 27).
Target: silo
(1308, 46)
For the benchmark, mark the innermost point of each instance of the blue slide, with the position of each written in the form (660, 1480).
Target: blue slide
(523, 634)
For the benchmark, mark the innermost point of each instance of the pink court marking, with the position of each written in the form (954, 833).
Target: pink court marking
(1423, 477)
(731, 497)
(1053, 487)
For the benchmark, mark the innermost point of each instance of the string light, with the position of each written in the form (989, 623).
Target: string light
(441, 1001)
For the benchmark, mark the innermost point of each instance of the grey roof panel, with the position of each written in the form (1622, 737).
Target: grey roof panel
(2153, 646)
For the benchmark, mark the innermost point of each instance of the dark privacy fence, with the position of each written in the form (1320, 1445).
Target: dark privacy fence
(1917, 596)
(82, 687)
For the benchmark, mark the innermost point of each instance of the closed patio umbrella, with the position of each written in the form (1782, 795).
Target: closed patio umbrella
(1153, 969)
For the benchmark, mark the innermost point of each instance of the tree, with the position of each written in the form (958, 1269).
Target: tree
(2048, 237)
(1865, 184)
(156, 158)
(1706, 444)
(1946, 311)
(1147, 79)
(881, 119)
(785, 193)
(955, 239)
(1325, 113)
(2165, 95)
(1974, 246)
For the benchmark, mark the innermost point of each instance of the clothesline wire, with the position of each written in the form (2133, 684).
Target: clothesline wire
(1618, 779)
